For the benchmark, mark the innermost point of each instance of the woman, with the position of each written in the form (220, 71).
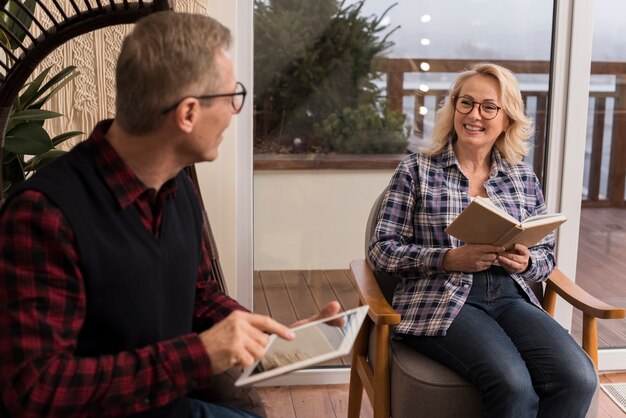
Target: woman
(468, 306)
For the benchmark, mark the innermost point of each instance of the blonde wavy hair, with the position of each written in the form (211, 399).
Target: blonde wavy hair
(513, 142)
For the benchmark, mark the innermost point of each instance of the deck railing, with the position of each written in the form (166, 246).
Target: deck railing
(605, 186)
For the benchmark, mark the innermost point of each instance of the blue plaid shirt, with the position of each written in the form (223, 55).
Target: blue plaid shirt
(425, 195)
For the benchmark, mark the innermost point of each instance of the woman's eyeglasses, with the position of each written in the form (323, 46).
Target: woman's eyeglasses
(465, 105)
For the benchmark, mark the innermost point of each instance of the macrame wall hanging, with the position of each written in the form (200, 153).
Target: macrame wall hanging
(90, 97)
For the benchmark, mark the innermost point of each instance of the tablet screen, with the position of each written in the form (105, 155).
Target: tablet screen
(314, 343)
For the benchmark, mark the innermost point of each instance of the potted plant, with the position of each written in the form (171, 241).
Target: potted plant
(27, 145)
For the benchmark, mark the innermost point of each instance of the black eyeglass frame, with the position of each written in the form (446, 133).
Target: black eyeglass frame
(241, 93)
(474, 103)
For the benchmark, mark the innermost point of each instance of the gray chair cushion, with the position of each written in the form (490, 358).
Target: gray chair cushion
(422, 387)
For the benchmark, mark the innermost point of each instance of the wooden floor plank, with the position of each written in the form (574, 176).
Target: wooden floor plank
(277, 297)
(338, 395)
(601, 269)
(330, 401)
(606, 407)
(299, 294)
(339, 399)
(277, 401)
(321, 290)
(311, 404)
(342, 286)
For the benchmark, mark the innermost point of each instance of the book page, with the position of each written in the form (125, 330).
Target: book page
(543, 219)
(530, 236)
(489, 204)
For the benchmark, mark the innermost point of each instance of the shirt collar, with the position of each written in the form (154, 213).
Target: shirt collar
(120, 179)
(448, 157)
(498, 163)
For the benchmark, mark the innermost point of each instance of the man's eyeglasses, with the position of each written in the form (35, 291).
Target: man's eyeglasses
(237, 99)
(465, 105)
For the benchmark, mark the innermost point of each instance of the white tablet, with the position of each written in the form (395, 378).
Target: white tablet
(315, 342)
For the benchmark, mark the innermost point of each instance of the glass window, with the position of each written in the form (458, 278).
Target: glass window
(309, 222)
(602, 242)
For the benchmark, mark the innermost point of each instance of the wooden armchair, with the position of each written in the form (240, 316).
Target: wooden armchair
(403, 383)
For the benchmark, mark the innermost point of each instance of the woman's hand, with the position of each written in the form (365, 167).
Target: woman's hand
(515, 260)
(471, 258)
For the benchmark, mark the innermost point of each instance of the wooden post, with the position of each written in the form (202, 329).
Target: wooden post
(596, 148)
(395, 87)
(540, 135)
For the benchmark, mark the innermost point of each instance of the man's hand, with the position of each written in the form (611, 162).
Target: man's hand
(332, 308)
(240, 339)
(515, 260)
(471, 258)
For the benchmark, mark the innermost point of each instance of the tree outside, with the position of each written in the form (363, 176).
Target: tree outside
(314, 80)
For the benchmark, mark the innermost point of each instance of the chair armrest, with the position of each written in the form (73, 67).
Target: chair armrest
(577, 297)
(380, 311)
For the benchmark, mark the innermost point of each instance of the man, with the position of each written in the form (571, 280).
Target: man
(106, 304)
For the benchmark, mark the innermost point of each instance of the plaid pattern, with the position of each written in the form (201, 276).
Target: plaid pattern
(425, 195)
(42, 309)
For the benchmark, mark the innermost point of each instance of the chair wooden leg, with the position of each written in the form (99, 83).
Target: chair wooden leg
(355, 394)
(382, 395)
(590, 337)
(549, 300)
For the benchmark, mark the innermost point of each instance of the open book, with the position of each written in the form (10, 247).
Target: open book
(482, 222)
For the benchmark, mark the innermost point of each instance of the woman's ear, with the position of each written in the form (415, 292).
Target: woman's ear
(507, 123)
(186, 114)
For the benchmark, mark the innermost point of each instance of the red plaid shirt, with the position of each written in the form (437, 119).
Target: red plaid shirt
(42, 309)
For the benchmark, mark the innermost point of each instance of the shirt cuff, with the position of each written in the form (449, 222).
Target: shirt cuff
(193, 363)
(532, 271)
(430, 260)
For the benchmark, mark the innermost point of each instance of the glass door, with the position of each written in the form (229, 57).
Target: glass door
(602, 237)
(327, 75)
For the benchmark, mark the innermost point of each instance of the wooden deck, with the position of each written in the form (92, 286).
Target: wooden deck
(601, 269)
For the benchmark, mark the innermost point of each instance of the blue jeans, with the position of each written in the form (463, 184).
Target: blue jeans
(521, 360)
(199, 409)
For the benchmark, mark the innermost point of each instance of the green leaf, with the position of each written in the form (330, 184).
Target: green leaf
(28, 138)
(21, 15)
(59, 139)
(35, 114)
(32, 92)
(60, 79)
(59, 76)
